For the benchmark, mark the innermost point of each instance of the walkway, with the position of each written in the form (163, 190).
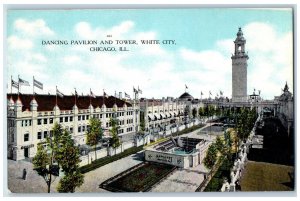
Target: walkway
(182, 180)
(33, 183)
(94, 178)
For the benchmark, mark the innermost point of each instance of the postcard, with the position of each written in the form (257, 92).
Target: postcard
(150, 100)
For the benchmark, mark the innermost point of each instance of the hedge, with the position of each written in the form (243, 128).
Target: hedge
(108, 159)
(216, 182)
(188, 130)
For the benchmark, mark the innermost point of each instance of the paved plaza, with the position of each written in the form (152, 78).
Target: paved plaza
(182, 180)
(33, 183)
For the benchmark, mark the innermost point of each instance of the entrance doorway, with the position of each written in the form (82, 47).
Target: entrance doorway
(26, 152)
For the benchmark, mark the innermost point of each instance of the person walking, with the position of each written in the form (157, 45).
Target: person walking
(24, 174)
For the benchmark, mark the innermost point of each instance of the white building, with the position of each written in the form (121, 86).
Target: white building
(30, 119)
(161, 115)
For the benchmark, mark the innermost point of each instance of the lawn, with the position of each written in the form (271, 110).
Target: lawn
(138, 179)
(260, 176)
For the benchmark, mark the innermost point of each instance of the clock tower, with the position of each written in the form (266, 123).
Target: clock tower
(239, 69)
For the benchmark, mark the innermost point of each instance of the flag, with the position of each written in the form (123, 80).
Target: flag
(91, 94)
(201, 93)
(210, 93)
(59, 93)
(76, 94)
(221, 93)
(23, 82)
(14, 84)
(134, 90)
(139, 90)
(126, 95)
(186, 87)
(37, 84)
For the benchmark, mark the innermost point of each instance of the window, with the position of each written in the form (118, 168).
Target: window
(100, 115)
(39, 122)
(12, 137)
(71, 129)
(26, 137)
(45, 121)
(29, 122)
(66, 119)
(87, 117)
(22, 123)
(106, 115)
(71, 118)
(79, 129)
(83, 128)
(26, 122)
(88, 127)
(51, 120)
(51, 133)
(79, 118)
(45, 134)
(39, 135)
(83, 117)
(61, 119)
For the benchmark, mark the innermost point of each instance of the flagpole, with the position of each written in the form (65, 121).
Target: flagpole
(75, 95)
(11, 85)
(56, 97)
(18, 86)
(103, 97)
(90, 96)
(32, 87)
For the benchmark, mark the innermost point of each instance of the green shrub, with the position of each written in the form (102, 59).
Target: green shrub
(216, 182)
(108, 159)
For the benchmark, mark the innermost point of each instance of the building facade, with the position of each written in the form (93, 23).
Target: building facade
(31, 119)
(239, 69)
(165, 114)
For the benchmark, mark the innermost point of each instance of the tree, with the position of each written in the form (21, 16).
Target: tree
(59, 151)
(142, 121)
(194, 112)
(69, 158)
(211, 156)
(66, 184)
(43, 161)
(94, 133)
(114, 141)
(220, 145)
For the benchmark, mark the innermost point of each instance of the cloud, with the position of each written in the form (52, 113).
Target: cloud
(71, 59)
(270, 58)
(33, 28)
(16, 43)
(84, 30)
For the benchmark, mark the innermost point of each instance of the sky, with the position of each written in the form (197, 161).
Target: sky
(200, 57)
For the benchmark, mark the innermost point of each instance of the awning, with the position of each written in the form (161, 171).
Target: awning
(163, 115)
(157, 116)
(168, 115)
(151, 116)
(175, 113)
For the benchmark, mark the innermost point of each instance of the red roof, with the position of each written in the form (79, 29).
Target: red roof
(47, 102)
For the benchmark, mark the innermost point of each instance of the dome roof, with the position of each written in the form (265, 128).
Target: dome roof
(186, 96)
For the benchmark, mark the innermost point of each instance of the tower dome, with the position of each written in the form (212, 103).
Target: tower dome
(186, 96)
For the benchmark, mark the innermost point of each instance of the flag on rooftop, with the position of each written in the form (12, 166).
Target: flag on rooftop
(59, 93)
(134, 90)
(23, 82)
(37, 84)
(14, 84)
(186, 87)
(201, 93)
(126, 95)
(139, 90)
(91, 94)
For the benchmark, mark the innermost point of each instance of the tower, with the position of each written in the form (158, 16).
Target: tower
(239, 69)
